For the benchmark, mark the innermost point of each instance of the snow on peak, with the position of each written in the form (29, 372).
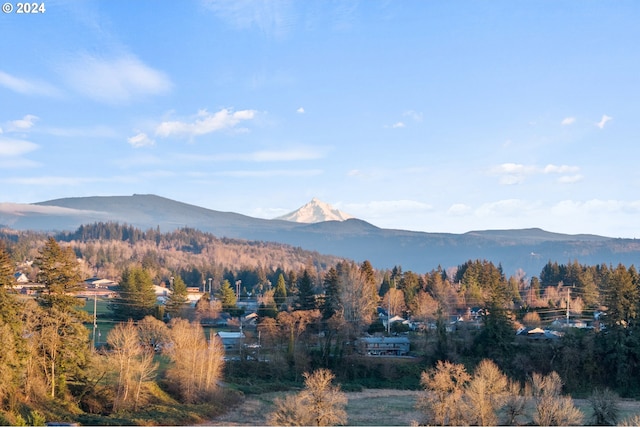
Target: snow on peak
(315, 211)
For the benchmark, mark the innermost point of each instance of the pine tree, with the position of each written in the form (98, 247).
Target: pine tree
(306, 297)
(6, 268)
(227, 296)
(331, 304)
(137, 297)
(178, 297)
(280, 294)
(59, 273)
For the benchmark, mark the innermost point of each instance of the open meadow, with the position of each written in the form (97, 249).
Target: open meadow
(374, 407)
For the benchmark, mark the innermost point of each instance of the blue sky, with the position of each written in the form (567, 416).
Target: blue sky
(442, 116)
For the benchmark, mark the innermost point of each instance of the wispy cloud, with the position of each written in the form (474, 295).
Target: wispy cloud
(27, 87)
(10, 147)
(398, 125)
(571, 208)
(414, 115)
(22, 124)
(20, 208)
(507, 207)
(603, 121)
(141, 139)
(204, 123)
(300, 110)
(273, 18)
(99, 131)
(568, 121)
(114, 80)
(515, 173)
(264, 156)
(270, 173)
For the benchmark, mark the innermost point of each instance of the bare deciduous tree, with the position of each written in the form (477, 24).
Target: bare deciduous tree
(197, 365)
(444, 387)
(320, 403)
(604, 403)
(515, 402)
(484, 394)
(551, 407)
(133, 363)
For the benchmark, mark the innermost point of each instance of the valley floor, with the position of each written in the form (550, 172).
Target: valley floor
(379, 407)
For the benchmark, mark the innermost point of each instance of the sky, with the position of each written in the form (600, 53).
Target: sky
(438, 116)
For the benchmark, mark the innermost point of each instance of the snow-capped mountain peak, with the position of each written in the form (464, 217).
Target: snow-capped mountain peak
(315, 211)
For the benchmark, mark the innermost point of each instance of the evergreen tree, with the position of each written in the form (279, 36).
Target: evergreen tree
(227, 296)
(59, 273)
(137, 297)
(178, 297)
(386, 285)
(306, 297)
(280, 294)
(60, 340)
(331, 304)
(6, 268)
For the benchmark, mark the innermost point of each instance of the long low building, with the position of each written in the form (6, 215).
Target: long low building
(384, 346)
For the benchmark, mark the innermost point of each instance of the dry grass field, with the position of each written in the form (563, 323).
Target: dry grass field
(379, 407)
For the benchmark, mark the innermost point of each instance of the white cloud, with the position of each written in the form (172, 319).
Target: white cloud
(204, 123)
(141, 140)
(300, 110)
(568, 121)
(415, 115)
(270, 173)
(86, 132)
(114, 80)
(507, 207)
(15, 147)
(23, 124)
(264, 156)
(27, 87)
(19, 208)
(274, 18)
(603, 121)
(515, 173)
(570, 179)
(398, 125)
(560, 169)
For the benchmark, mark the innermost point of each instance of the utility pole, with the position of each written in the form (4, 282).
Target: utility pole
(389, 308)
(568, 306)
(95, 317)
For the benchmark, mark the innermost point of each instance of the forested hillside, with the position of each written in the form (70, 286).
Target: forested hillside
(107, 248)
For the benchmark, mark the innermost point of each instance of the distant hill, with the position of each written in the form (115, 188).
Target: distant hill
(316, 211)
(528, 249)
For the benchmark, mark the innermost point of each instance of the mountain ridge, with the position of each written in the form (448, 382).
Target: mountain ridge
(527, 249)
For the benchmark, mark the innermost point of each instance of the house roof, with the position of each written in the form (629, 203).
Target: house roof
(397, 340)
(223, 334)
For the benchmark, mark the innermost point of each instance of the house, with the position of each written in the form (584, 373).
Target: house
(231, 340)
(538, 334)
(193, 295)
(384, 346)
(97, 283)
(21, 277)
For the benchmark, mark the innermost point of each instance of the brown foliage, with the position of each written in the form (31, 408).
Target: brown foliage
(319, 404)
